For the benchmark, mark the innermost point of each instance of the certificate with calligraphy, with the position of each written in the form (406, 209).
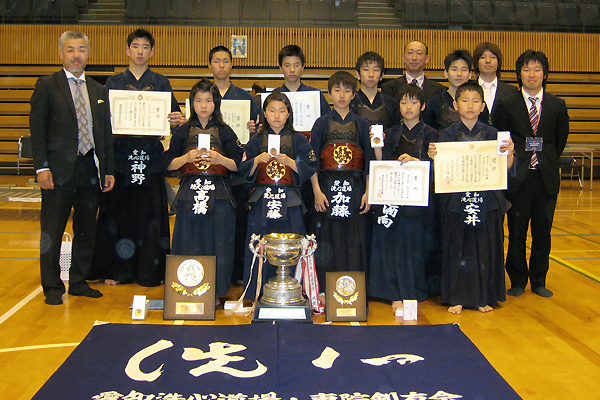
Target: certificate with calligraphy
(236, 113)
(306, 107)
(140, 113)
(468, 166)
(399, 184)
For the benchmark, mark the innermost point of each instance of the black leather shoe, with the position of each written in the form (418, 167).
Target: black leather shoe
(542, 291)
(54, 298)
(85, 291)
(515, 291)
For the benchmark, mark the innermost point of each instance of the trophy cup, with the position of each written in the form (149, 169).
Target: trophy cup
(282, 297)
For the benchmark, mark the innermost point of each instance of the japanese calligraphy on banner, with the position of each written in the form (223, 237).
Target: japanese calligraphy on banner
(275, 362)
(306, 107)
(236, 113)
(469, 166)
(393, 183)
(140, 113)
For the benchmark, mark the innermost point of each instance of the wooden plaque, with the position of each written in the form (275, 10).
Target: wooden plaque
(190, 287)
(346, 297)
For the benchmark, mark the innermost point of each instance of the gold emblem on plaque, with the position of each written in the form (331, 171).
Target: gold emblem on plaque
(342, 154)
(199, 291)
(275, 170)
(345, 290)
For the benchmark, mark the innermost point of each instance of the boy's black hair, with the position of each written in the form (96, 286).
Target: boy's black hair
(140, 34)
(458, 55)
(217, 49)
(478, 52)
(342, 78)
(526, 58)
(291, 50)
(370, 57)
(278, 96)
(469, 86)
(206, 86)
(412, 91)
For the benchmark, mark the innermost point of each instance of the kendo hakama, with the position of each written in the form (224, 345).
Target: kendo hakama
(206, 220)
(399, 251)
(276, 204)
(133, 235)
(473, 251)
(344, 150)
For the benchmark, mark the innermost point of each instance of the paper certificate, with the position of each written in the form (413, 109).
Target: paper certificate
(140, 113)
(236, 113)
(468, 166)
(306, 107)
(399, 184)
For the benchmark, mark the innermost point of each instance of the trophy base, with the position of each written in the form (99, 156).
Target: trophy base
(291, 313)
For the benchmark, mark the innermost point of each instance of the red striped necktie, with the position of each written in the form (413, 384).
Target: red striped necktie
(534, 118)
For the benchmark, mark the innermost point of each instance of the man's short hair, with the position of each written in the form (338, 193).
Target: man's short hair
(140, 34)
(469, 86)
(216, 50)
(368, 58)
(418, 41)
(258, 87)
(71, 35)
(291, 50)
(526, 58)
(412, 91)
(342, 78)
(458, 55)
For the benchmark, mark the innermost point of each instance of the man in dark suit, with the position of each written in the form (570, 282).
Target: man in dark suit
(539, 126)
(73, 157)
(487, 65)
(415, 57)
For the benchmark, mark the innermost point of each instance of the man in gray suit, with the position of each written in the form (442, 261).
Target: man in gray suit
(74, 160)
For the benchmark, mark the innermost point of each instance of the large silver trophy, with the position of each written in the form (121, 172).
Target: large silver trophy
(282, 297)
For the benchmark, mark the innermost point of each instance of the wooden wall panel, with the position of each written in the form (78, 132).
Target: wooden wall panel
(325, 48)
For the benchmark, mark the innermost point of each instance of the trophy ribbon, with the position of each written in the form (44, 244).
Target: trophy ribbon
(257, 247)
(307, 274)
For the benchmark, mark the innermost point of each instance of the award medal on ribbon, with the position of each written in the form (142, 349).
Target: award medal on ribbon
(345, 290)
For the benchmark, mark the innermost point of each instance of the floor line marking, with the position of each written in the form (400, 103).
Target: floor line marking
(575, 268)
(20, 304)
(40, 346)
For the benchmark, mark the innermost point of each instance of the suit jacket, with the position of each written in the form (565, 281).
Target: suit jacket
(430, 88)
(504, 89)
(54, 131)
(512, 114)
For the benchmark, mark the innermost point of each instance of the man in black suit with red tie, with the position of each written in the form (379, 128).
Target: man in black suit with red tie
(73, 157)
(415, 57)
(539, 126)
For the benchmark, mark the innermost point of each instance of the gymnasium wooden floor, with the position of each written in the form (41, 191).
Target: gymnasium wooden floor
(545, 348)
